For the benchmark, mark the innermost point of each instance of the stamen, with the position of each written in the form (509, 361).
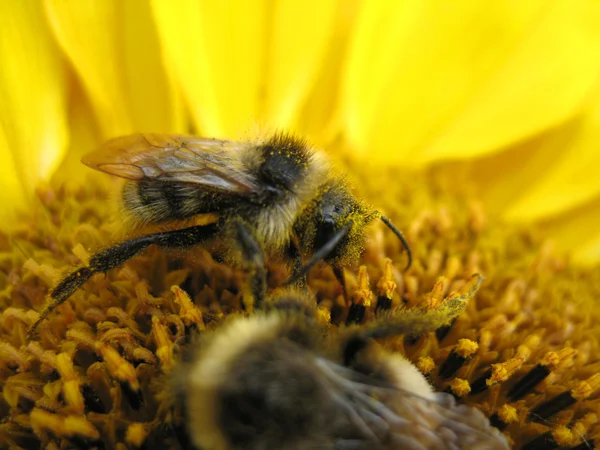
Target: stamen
(562, 401)
(504, 416)
(386, 287)
(539, 372)
(460, 354)
(164, 345)
(426, 365)
(458, 387)
(188, 313)
(497, 374)
(361, 300)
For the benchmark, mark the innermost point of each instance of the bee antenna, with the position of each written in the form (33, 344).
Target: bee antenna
(321, 253)
(400, 236)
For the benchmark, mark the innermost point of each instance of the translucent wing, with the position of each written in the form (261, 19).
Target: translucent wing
(386, 417)
(175, 157)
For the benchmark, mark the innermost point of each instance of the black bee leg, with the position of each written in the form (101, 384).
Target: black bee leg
(339, 275)
(294, 254)
(255, 258)
(114, 256)
(321, 253)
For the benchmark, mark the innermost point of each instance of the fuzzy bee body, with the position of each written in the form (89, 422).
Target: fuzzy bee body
(177, 177)
(268, 382)
(281, 380)
(281, 187)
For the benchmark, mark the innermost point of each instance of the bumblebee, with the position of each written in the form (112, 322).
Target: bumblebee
(281, 187)
(278, 379)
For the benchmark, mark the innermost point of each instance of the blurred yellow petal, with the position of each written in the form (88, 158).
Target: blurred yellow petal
(577, 232)
(85, 136)
(217, 53)
(11, 187)
(572, 152)
(32, 95)
(501, 179)
(114, 48)
(240, 63)
(155, 102)
(300, 37)
(429, 80)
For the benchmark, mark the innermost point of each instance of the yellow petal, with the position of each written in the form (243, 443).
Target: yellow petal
(577, 232)
(155, 102)
(217, 53)
(569, 178)
(299, 39)
(11, 188)
(85, 137)
(114, 49)
(32, 95)
(319, 116)
(429, 80)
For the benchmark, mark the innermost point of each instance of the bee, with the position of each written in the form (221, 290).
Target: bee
(281, 187)
(278, 379)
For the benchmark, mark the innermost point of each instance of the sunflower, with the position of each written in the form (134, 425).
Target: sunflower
(471, 124)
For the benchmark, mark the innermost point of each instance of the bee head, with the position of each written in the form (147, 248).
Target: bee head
(333, 226)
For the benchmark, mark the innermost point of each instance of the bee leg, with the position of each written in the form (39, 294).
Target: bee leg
(411, 322)
(254, 257)
(294, 254)
(321, 253)
(114, 256)
(339, 275)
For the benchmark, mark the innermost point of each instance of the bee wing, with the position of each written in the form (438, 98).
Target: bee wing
(387, 417)
(174, 157)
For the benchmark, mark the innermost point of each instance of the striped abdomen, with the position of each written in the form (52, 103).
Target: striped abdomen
(149, 202)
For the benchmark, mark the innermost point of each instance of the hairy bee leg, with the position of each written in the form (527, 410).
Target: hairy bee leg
(409, 322)
(419, 321)
(114, 256)
(253, 255)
